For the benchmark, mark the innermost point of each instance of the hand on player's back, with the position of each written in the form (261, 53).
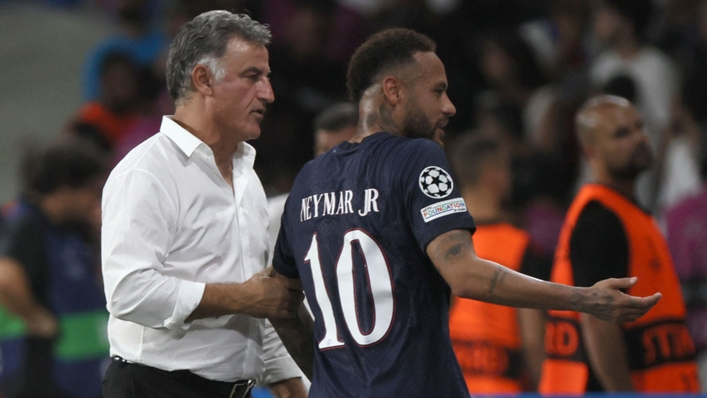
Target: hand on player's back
(605, 301)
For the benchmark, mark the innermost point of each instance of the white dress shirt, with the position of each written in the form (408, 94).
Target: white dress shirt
(171, 224)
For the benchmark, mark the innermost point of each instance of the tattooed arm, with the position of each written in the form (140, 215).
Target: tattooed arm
(471, 277)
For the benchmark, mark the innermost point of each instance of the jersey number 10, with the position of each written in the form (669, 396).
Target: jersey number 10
(379, 280)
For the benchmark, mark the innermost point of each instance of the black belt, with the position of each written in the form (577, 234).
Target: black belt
(236, 389)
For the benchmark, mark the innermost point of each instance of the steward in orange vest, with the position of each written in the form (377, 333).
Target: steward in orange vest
(487, 337)
(607, 235)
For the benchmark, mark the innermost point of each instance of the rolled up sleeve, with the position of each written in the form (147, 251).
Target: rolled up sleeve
(139, 223)
(279, 365)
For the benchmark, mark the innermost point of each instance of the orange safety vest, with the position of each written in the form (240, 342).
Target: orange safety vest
(485, 336)
(660, 350)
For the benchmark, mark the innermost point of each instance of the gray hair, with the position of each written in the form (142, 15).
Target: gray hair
(203, 40)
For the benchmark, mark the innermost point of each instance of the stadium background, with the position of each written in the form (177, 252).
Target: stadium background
(506, 60)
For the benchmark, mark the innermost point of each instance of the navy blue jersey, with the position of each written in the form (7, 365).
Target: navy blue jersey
(355, 229)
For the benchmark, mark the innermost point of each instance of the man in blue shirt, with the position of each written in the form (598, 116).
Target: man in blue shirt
(53, 313)
(379, 236)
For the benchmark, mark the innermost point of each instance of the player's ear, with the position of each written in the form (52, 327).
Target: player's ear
(392, 89)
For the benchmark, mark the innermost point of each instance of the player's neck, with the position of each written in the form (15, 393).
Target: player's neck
(375, 115)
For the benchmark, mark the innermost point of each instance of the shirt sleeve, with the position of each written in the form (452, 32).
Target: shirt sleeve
(279, 365)
(432, 200)
(139, 222)
(598, 246)
(284, 260)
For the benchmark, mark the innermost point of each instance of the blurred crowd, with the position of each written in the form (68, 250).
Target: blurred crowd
(518, 70)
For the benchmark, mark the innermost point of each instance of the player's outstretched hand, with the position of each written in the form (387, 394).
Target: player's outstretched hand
(272, 295)
(605, 301)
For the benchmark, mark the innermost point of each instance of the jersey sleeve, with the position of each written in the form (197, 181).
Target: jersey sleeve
(598, 246)
(284, 260)
(432, 200)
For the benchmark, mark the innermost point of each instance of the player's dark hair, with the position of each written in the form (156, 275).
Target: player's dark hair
(381, 52)
(469, 153)
(337, 117)
(73, 163)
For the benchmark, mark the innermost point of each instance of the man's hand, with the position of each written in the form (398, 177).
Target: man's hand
(290, 388)
(271, 295)
(265, 295)
(42, 323)
(605, 301)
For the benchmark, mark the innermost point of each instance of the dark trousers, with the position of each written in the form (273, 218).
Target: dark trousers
(129, 380)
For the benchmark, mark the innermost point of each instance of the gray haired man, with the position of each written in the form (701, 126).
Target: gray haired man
(185, 234)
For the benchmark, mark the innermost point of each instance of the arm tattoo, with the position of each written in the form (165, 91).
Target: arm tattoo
(455, 244)
(498, 276)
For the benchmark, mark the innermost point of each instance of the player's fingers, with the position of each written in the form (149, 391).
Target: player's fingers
(621, 283)
(645, 302)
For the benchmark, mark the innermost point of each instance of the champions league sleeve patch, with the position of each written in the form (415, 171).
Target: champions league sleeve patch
(435, 182)
(442, 209)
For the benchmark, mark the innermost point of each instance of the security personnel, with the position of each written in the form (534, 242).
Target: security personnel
(486, 337)
(606, 234)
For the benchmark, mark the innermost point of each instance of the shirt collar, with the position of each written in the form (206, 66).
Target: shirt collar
(185, 140)
(188, 142)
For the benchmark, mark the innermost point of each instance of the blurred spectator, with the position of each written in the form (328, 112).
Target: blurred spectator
(500, 349)
(680, 169)
(54, 318)
(517, 82)
(678, 162)
(106, 120)
(621, 27)
(608, 235)
(524, 106)
(139, 39)
(305, 81)
(559, 40)
(686, 225)
(335, 124)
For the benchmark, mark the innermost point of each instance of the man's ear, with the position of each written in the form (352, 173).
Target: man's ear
(203, 80)
(393, 90)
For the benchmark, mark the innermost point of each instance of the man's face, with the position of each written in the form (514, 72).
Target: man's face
(607, 24)
(427, 107)
(621, 143)
(83, 204)
(240, 98)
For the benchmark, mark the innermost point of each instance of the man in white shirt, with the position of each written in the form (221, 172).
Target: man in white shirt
(185, 234)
